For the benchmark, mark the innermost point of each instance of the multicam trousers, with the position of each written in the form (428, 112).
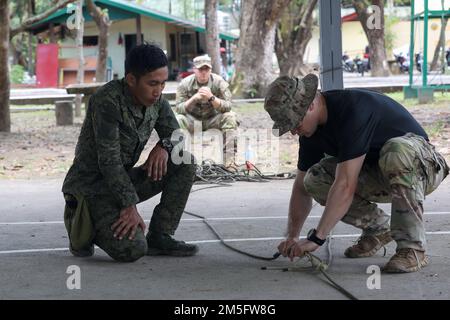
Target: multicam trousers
(225, 122)
(105, 210)
(408, 169)
(222, 121)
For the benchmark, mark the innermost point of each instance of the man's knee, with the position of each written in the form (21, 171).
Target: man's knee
(124, 250)
(315, 183)
(397, 162)
(184, 161)
(229, 121)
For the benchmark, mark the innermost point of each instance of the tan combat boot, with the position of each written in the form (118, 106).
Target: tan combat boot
(368, 245)
(406, 260)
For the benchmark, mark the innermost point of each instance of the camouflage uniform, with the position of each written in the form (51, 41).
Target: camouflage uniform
(409, 168)
(112, 138)
(223, 119)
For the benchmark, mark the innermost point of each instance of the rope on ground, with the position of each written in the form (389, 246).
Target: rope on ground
(209, 172)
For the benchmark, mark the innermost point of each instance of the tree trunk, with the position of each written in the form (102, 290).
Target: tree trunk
(254, 70)
(102, 20)
(375, 36)
(31, 8)
(5, 35)
(440, 45)
(212, 34)
(292, 37)
(5, 118)
(80, 73)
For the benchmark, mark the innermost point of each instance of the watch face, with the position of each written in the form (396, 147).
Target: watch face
(310, 232)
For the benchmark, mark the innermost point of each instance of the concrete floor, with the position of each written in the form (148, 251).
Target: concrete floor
(34, 256)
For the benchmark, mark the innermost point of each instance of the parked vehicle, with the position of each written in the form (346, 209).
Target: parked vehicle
(402, 62)
(347, 63)
(362, 65)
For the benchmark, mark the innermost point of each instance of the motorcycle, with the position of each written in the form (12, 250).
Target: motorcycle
(347, 64)
(362, 65)
(402, 62)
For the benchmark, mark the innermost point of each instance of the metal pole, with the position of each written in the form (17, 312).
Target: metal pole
(425, 45)
(330, 45)
(411, 45)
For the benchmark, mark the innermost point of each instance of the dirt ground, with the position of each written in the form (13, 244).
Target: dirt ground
(37, 148)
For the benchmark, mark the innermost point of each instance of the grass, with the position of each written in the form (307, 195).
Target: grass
(441, 99)
(249, 107)
(434, 129)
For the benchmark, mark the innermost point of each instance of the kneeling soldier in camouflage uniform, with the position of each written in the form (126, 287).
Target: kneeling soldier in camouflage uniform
(204, 97)
(102, 187)
(357, 147)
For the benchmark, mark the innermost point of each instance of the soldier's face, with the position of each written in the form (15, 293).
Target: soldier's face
(149, 87)
(202, 74)
(309, 124)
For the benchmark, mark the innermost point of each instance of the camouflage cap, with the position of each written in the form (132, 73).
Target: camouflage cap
(288, 99)
(202, 61)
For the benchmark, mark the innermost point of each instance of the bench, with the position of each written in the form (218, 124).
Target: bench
(21, 100)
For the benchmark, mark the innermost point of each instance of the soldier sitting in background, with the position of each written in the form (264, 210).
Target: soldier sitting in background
(205, 97)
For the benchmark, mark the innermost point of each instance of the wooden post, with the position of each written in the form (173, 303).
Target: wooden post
(138, 30)
(64, 112)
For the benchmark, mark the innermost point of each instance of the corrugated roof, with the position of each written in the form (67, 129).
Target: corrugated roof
(137, 9)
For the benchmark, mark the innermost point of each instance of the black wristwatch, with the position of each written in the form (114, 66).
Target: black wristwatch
(312, 237)
(166, 144)
(212, 99)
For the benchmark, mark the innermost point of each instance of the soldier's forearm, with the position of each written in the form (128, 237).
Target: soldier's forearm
(338, 202)
(225, 106)
(299, 208)
(189, 104)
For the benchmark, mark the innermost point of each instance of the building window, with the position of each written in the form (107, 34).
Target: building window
(90, 41)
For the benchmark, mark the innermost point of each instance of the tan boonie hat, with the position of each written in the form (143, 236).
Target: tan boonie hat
(202, 61)
(287, 101)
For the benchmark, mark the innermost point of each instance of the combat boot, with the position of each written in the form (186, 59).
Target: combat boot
(406, 260)
(368, 245)
(164, 244)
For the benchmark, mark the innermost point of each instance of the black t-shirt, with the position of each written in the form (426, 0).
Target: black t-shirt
(359, 122)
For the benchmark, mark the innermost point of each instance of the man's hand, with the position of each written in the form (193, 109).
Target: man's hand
(156, 164)
(285, 246)
(205, 93)
(300, 248)
(198, 97)
(129, 220)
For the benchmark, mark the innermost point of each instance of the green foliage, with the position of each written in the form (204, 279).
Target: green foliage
(390, 35)
(17, 73)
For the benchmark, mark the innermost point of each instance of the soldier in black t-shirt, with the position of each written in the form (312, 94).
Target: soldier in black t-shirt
(357, 147)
